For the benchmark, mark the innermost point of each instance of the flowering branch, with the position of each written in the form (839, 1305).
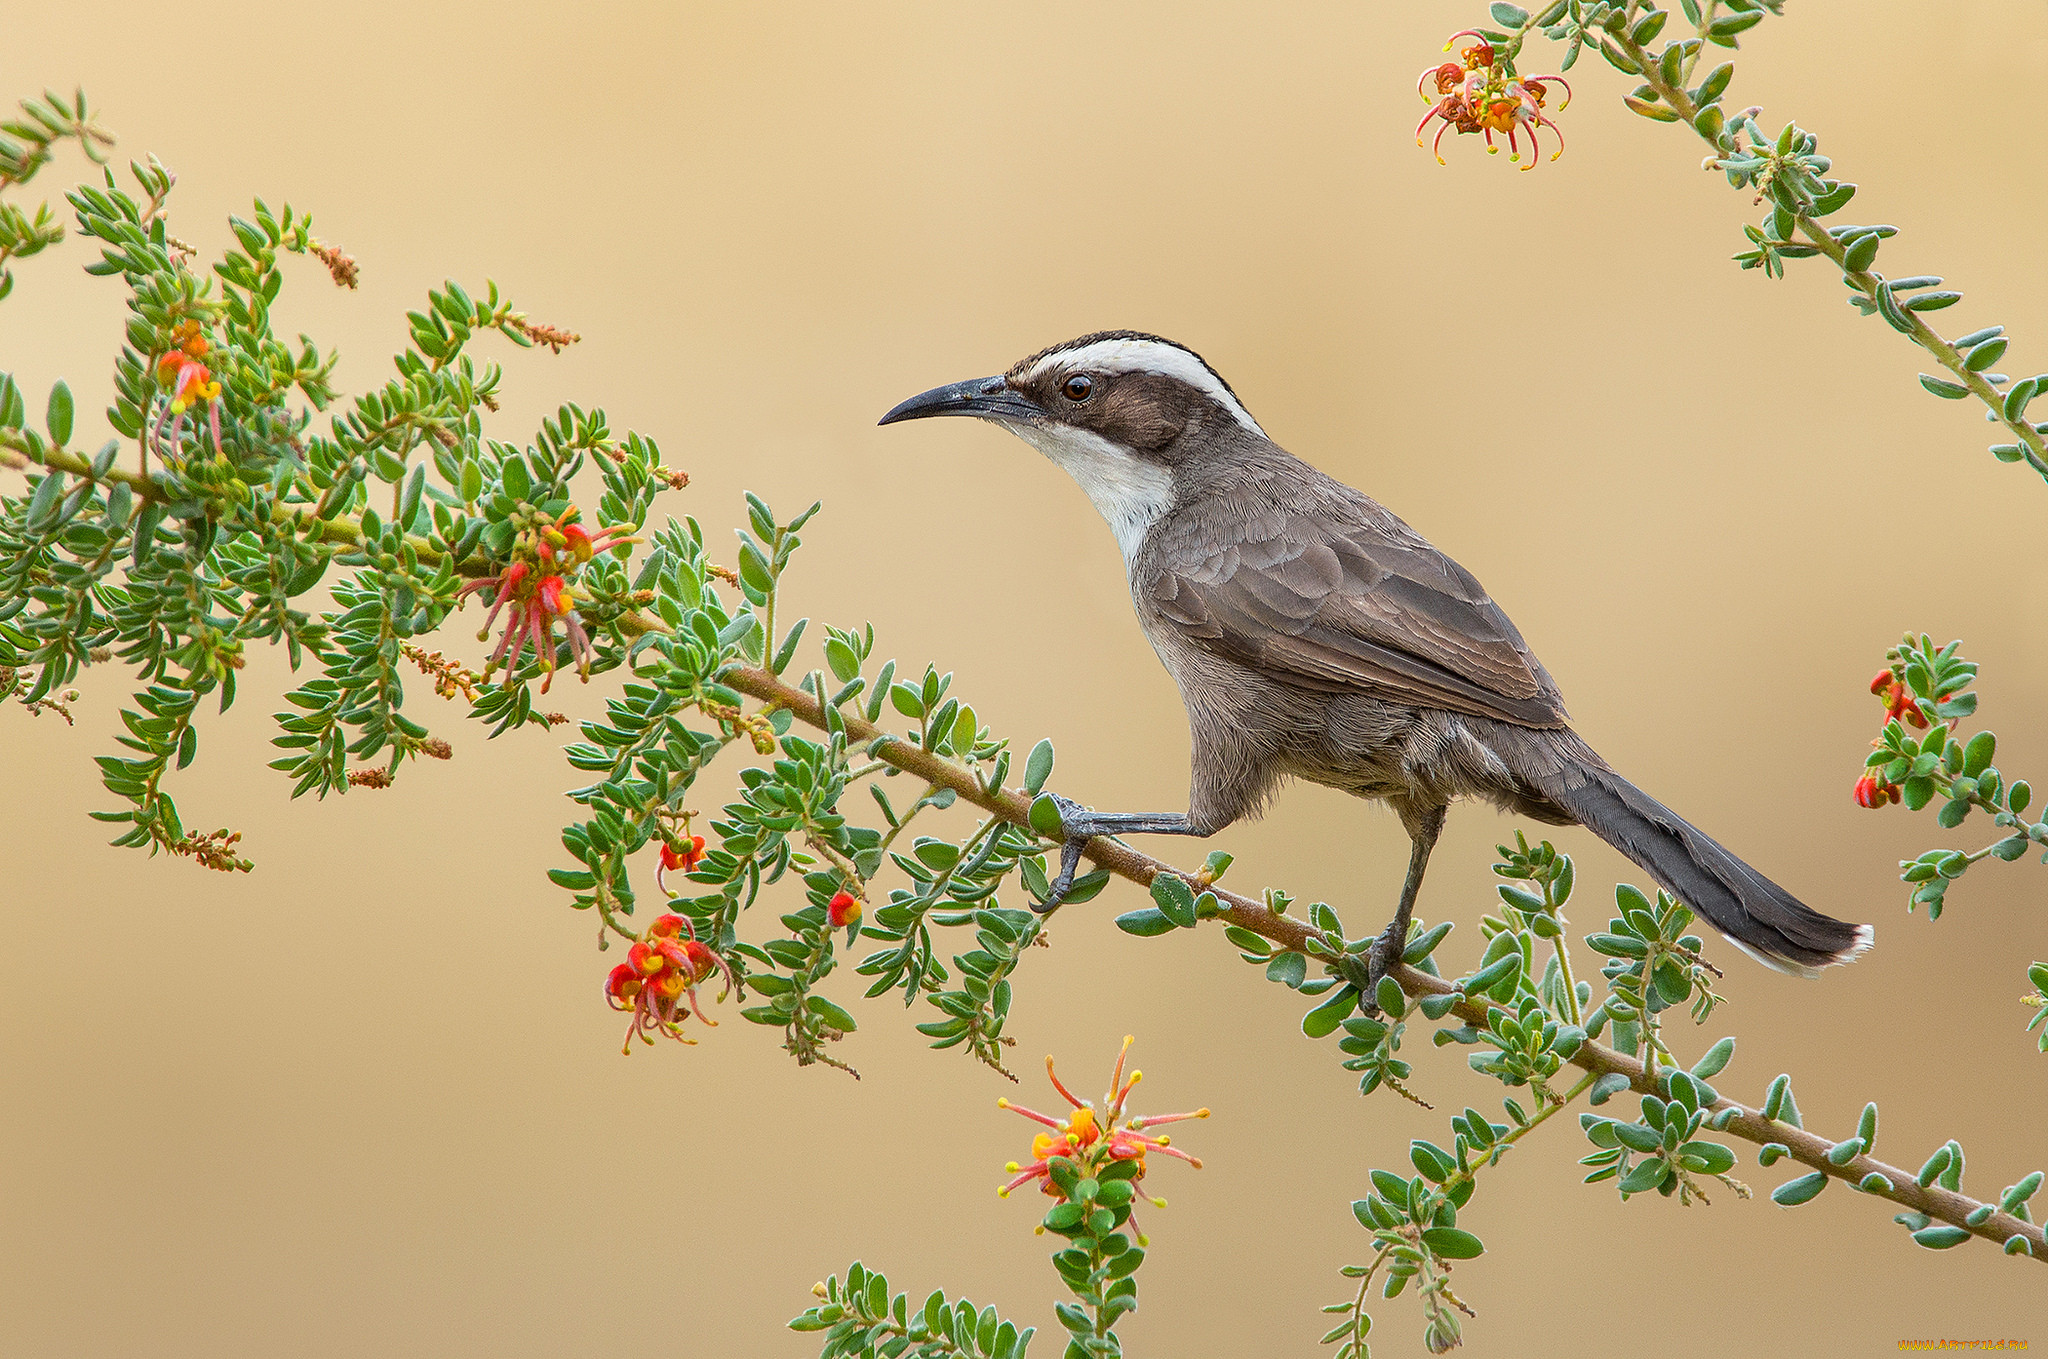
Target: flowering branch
(1787, 171)
(1939, 1202)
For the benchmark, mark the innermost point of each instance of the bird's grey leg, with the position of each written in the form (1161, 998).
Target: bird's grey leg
(1424, 824)
(1079, 825)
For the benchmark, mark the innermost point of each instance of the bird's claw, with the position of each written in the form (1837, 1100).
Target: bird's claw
(1070, 855)
(1380, 960)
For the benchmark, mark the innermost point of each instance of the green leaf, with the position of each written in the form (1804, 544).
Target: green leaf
(1984, 355)
(1390, 997)
(42, 506)
(1290, 969)
(1940, 1237)
(1861, 253)
(1507, 965)
(1421, 945)
(1431, 1161)
(1942, 387)
(1324, 1019)
(1508, 16)
(1175, 900)
(1714, 1158)
(1437, 1006)
(1716, 1059)
(58, 418)
(909, 702)
(845, 665)
(1146, 922)
(1452, 1244)
(828, 1014)
(1088, 886)
(1038, 768)
(1833, 200)
(1644, 1176)
(1716, 84)
(1249, 942)
(409, 494)
(1792, 1193)
(1728, 25)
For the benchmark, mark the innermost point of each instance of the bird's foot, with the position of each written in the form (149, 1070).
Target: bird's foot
(1070, 854)
(1380, 960)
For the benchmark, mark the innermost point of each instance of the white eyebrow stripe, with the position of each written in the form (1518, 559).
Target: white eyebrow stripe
(1149, 356)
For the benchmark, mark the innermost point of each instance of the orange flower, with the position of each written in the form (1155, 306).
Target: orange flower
(186, 382)
(1091, 1141)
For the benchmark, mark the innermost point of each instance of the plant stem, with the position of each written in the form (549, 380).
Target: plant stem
(1515, 1135)
(2030, 442)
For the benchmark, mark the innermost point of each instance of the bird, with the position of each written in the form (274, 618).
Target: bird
(1314, 635)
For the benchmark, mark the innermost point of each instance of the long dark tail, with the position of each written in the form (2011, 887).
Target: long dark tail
(1752, 912)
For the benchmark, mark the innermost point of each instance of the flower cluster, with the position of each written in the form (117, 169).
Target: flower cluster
(537, 583)
(657, 984)
(1873, 790)
(186, 382)
(1483, 94)
(1090, 1141)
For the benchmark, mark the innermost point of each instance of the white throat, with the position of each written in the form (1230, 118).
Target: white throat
(1129, 492)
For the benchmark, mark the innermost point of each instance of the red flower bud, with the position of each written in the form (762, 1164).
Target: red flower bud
(843, 909)
(1883, 680)
(1872, 791)
(622, 986)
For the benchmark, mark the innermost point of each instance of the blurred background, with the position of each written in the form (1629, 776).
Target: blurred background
(368, 1098)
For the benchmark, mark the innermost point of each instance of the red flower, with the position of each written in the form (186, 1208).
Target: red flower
(1873, 791)
(844, 909)
(1898, 701)
(568, 540)
(1091, 1142)
(534, 583)
(686, 857)
(1485, 97)
(661, 971)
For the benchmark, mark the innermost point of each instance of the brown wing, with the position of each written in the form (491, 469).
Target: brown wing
(1348, 598)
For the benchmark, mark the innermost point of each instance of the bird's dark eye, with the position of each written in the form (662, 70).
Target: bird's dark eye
(1078, 387)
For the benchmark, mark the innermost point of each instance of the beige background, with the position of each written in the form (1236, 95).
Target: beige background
(367, 1100)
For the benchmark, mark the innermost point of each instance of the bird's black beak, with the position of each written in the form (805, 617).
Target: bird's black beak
(991, 398)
